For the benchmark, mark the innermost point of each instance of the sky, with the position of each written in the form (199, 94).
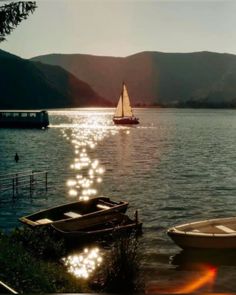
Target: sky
(125, 27)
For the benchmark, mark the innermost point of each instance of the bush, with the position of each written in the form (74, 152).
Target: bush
(122, 271)
(27, 274)
(40, 242)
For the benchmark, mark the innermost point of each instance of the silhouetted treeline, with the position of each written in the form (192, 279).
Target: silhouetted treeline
(12, 14)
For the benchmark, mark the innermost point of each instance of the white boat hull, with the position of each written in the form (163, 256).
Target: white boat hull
(207, 234)
(201, 242)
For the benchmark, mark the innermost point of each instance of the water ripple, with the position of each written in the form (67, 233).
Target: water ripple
(177, 166)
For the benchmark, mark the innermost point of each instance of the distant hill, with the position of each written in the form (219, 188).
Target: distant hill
(200, 79)
(26, 84)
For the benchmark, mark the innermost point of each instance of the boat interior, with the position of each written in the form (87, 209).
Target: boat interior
(214, 226)
(72, 210)
(96, 223)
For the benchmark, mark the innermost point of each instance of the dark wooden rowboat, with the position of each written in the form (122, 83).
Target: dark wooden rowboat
(97, 227)
(76, 211)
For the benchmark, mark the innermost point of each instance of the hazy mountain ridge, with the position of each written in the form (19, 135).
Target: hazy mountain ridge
(30, 85)
(198, 79)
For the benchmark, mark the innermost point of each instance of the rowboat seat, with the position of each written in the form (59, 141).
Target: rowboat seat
(225, 229)
(72, 214)
(100, 206)
(44, 221)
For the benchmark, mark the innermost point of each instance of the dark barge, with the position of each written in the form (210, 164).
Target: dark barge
(24, 119)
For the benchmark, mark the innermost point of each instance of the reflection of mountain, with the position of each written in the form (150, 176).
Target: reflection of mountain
(201, 79)
(27, 84)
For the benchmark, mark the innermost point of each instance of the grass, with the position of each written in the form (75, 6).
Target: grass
(30, 263)
(41, 242)
(26, 272)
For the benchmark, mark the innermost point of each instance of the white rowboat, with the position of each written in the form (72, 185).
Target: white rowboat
(217, 233)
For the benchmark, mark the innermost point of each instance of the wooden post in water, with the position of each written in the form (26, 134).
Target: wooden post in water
(16, 183)
(46, 181)
(32, 179)
(136, 217)
(30, 186)
(13, 188)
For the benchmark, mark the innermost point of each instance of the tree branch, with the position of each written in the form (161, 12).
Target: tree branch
(12, 14)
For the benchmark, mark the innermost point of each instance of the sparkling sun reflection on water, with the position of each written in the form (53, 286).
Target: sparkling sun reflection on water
(85, 133)
(88, 130)
(83, 264)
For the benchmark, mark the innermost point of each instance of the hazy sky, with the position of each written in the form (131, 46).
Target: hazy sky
(125, 27)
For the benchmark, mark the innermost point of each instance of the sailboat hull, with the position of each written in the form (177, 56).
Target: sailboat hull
(126, 121)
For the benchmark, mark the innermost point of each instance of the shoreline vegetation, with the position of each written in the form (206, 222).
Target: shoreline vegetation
(30, 262)
(135, 106)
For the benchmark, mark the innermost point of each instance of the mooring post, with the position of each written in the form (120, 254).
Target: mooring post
(19, 180)
(16, 183)
(13, 188)
(30, 186)
(32, 180)
(136, 217)
(46, 181)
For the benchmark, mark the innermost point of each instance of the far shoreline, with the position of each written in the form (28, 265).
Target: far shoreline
(113, 107)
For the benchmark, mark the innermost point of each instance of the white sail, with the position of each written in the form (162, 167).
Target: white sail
(119, 108)
(127, 110)
(123, 108)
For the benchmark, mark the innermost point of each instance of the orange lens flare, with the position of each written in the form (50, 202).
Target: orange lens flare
(207, 278)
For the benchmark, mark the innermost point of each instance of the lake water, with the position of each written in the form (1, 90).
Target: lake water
(178, 165)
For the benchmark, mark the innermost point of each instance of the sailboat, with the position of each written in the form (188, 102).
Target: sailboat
(124, 113)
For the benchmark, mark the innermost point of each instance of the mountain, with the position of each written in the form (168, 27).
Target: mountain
(26, 84)
(199, 79)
